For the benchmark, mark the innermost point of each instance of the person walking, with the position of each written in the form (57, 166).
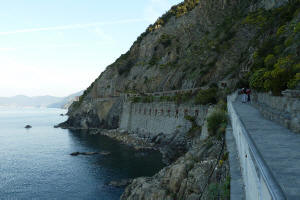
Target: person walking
(248, 92)
(244, 95)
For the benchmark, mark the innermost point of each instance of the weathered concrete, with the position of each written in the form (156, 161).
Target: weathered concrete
(237, 190)
(258, 178)
(284, 110)
(160, 117)
(165, 124)
(278, 146)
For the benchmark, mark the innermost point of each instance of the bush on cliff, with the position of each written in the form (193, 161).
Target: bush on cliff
(219, 190)
(217, 122)
(207, 96)
(276, 59)
(195, 128)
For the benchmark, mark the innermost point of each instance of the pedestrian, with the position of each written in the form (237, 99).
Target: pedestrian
(248, 92)
(244, 95)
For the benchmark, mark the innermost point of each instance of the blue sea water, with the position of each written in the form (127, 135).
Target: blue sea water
(35, 163)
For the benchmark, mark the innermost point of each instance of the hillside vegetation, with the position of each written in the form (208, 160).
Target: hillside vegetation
(202, 42)
(214, 45)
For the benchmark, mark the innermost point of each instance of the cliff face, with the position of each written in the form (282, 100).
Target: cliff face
(196, 43)
(192, 176)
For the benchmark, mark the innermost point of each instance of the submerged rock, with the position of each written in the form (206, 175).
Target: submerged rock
(104, 153)
(120, 183)
(75, 153)
(89, 153)
(28, 126)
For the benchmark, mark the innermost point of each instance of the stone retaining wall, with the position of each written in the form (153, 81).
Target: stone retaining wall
(284, 110)
(159, 117)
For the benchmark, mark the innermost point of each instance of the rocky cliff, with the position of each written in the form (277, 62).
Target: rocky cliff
(197, 43)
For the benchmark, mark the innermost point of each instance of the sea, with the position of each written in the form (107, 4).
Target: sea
(36, 163)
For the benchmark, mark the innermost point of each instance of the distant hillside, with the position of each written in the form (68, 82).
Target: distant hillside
(65, 102)
(25, 101)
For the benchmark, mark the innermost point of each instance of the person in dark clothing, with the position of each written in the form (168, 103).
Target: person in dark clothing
(248, 92)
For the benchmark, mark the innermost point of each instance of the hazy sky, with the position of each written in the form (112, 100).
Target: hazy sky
(57, 47)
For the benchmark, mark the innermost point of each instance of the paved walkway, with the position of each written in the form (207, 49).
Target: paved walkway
(237, 191)
(279, 147)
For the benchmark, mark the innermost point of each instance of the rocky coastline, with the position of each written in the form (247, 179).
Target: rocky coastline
(197, 167)
(198, 174)
(170, 148)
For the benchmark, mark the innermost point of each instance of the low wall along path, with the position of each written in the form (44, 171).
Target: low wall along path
(269, 154)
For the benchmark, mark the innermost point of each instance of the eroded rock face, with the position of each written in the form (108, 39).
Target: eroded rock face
(188, 177)
(95, 114)
(178, 55)
(198, 48)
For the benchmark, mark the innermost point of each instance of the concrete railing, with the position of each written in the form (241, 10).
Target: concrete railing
(284, 110)
(259, 182)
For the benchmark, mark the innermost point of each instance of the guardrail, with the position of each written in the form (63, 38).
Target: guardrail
(258, 179)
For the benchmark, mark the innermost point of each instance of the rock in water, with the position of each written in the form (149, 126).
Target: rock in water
(28, 126)
(75, 153)
(120, 183)
(105, 153)
(89, 153)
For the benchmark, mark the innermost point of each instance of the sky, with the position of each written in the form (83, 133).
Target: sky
(59, 47)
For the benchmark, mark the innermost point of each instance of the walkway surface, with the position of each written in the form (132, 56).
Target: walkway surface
(279, 147)
(237, 191)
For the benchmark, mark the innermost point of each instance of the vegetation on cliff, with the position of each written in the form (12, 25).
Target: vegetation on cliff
(215, 45)
(276, 61)
(177, 11)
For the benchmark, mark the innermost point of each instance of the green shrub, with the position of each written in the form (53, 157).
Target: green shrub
(207, 96)
(277, 79)
(182, 97)
(294, 81)
(269, 73)
(226, 188)
(213, 191)
(257, 18)
(218, 191)
(281, 30)
(147, 99)
(136, 99)
(258, 60)
(270, 60)
(289, 41)
(166, 98)
(190, 118)
(257, 79)
(165, 40)
(297, 28)
(278, 49)
(195, 128)
(216, 122)
(222, 105)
